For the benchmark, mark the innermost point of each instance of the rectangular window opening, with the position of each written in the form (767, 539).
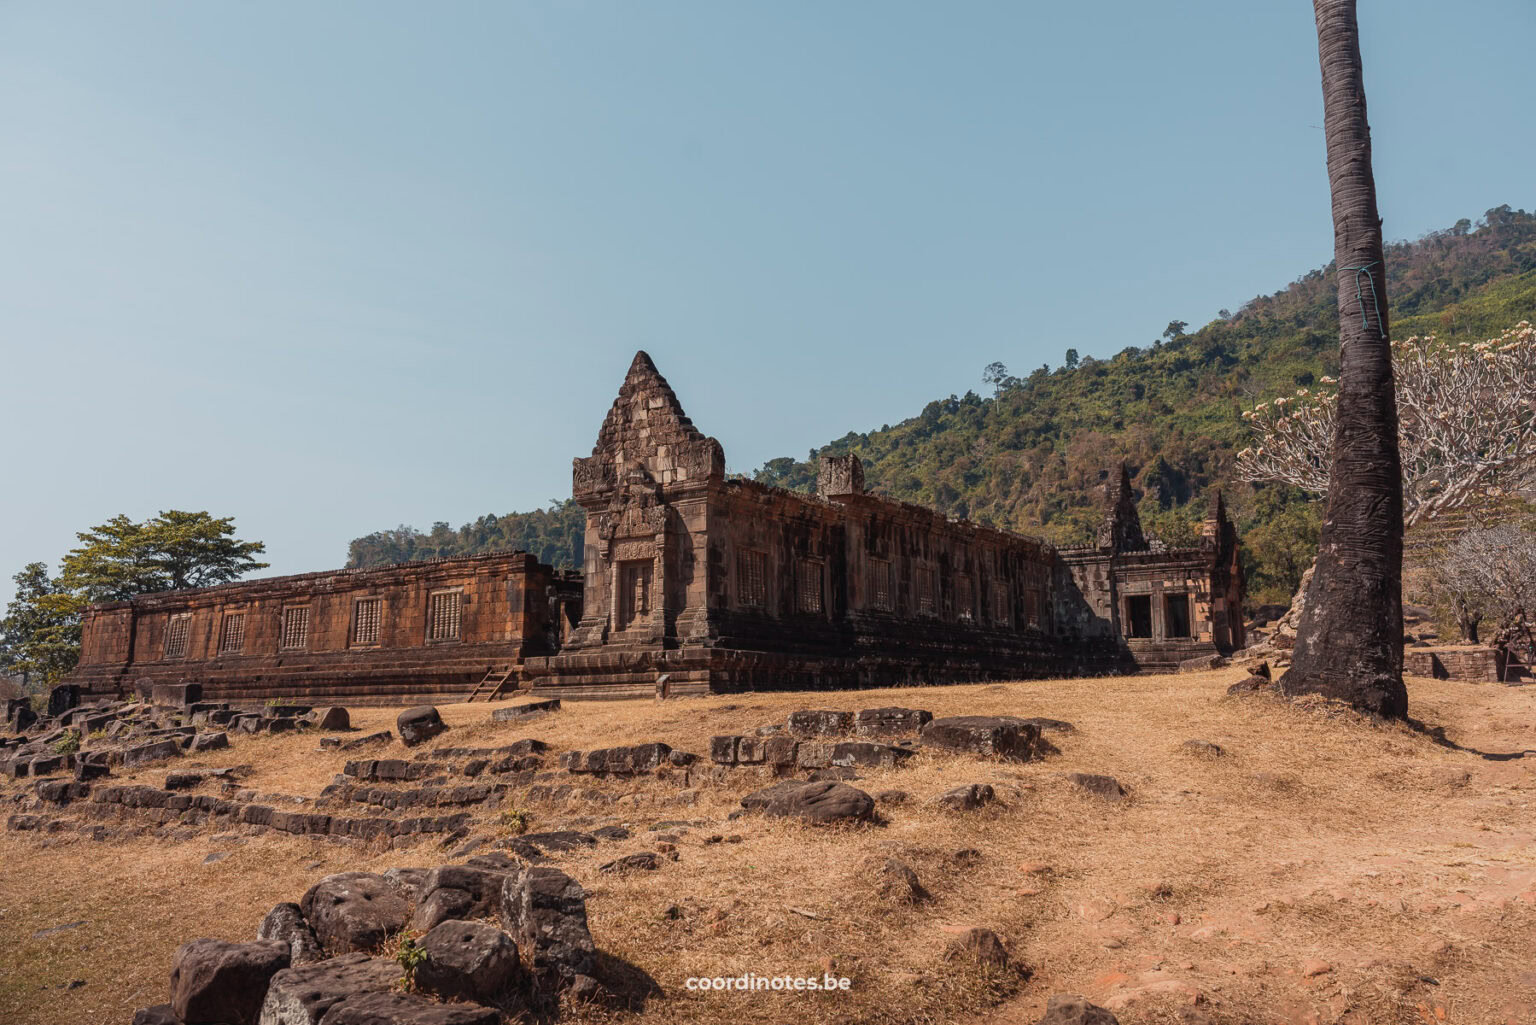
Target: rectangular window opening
(369, 614)
(1002, 614)
(880, 585)
(295, 633)
(751, 579)
(925, 592)
(232, 633)
(1176, 615)
(808, 586)
(444, 615)
(176, 632)
(965, 597)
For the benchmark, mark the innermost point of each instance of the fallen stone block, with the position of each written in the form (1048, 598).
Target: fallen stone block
(760, 799)
(183, 780)
(808, 723)
(722, 749)
(354, 911)
(62, 698)
(644, 861)
(1202, 663)
(148, 754)
(210, 742)
(1068, 1009)
(302, 995)
(1106, 787)
(888, 722)
(822, 804)
(989, 735)
(526, 711)
(419, 725)
(545, 911)
(285, 923)
(407, 1009)
(618, 761)
(216, 981)
(333, 719)
(382, 737)
(867, 754)
(469, 961)
(176, 695)
(980, 945)
(966, 798)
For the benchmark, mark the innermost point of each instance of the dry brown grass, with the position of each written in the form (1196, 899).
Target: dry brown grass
(1318, 835)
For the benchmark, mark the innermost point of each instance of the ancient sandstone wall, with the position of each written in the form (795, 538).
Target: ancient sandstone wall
(419, 629)
(1473, 664)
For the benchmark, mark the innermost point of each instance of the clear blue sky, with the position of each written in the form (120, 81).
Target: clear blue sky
(330, 267)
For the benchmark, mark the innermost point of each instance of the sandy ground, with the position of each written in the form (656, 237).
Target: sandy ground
(1323, 869)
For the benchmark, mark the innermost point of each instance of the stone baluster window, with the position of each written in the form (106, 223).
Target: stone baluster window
(232, 633)
(808, 586)
(365, 623)
(1002, 613)
(751, 579)
(176, 632)
(880, 585)
(295, 631)
(444, 615)
(924, 582)
(965, 597)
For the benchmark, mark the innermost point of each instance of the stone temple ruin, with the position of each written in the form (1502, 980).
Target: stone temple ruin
(695, 582)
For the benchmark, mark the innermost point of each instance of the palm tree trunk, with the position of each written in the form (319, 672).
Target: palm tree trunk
(1349, 644)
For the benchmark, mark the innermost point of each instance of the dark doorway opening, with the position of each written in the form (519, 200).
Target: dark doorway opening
(1138, 615)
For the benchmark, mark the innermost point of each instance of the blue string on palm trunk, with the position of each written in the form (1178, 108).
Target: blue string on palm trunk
(1365, 322)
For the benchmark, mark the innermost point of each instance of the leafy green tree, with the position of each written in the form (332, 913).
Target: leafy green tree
(40, 634)
(1175, 329)
(1071, 359)
(176, 549)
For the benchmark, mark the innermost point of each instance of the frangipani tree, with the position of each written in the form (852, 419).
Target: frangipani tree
(1466, 424)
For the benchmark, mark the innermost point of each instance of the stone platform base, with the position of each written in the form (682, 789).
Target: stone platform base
(613, 674)
(410, 677)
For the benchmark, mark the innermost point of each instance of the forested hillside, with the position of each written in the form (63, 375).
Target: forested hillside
(1030, 455)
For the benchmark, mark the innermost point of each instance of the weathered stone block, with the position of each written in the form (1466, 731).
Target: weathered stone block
(419, 725)
(353, 911)
(867, 754)
(989, 735)
(526, 711)
(177, 695)
(888, 722)
(822, 804)
(147, 754)
(807, 723)
(722, 750)
(812, 754)
(545, 911)
(213, 981)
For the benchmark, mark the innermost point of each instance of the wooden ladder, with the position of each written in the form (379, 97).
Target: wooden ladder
(496, 677)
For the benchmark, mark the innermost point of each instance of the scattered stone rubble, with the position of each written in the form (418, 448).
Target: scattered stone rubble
(327, 960)
(162, 725)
